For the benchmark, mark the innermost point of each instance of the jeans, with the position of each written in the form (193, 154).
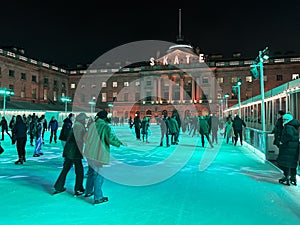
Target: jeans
(94, 181)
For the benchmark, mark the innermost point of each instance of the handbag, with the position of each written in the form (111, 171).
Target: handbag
(1, 149)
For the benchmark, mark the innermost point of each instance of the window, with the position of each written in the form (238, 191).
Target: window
(45, 94)
(295, 76)
(11, 86)
(55, 83)
(63, 85)
(234, 79)
(219, 95)
(220, 80)
(126, 84)
(54, 96)
(33, 93)
(103, 84)
(0, 70)
(279, 78)
(148, 82)
(33, 78)
(46, 81)
(23, 93)
(83, 86)
(104, 97)
(93, 86)
(115, 94)
(249, 79)
(125, 97)
(137, 96)
(148, 96)
(11, 73)
(204, 80)
(23, 76)
(73, 86)
(115, 84)
(137, 83)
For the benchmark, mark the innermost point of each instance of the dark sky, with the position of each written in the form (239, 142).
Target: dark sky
(68, 32)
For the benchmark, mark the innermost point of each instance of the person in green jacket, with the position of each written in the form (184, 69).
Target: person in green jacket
(97, 151)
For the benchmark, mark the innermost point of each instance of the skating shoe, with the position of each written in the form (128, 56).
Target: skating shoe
(79, 193)
(58, 191)
(36, 155)
(104, 199)
(19, 162)
(293, 181)
(284, 181)
(88, 195)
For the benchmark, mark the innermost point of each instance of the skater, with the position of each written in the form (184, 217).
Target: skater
(144, 127)
(53, 126)
(164, 127)
(97, 151)
(4, 127)
(204, 130)
(277, 130)
(174, 130)
(137, 126)
(229, 130)
(214, 128)
(289, 150)
(67, 125)
(238, 125)
(20, 131)
(73, 156)
(38, 138)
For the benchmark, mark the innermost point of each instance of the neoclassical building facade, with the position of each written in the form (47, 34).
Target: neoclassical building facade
(183, 79)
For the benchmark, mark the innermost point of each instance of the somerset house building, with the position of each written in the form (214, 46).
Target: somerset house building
(183, 78)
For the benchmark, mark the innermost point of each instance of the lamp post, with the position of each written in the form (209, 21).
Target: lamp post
(262, 56)
(238, 86)
(92, 103)
(5, 92)
(110, 105)
(226, 96)
(66, 100)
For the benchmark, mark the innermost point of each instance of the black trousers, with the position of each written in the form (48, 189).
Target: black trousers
(288, 171)
(61, 180)
(21, 143)
(238, 133)
(164, 134)
(53, 134)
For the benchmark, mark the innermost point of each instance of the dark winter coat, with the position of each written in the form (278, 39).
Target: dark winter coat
(67, 125)
(74, 145)
(289, 147)
(173, 126)
(277, 130)
(53, 124)
(203, 126)
(3, 124)
(238, 123)
(137, 122)
(20, 130)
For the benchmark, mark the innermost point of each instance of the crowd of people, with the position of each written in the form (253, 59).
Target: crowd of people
(91, 138)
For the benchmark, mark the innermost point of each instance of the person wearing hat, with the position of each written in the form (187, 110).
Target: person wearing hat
(289, 149)
(277, 130)
(97, 151)
(73, 156)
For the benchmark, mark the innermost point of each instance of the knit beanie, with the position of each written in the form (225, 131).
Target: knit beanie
(287, 118)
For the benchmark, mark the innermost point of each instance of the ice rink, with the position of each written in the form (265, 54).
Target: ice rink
(184, 184)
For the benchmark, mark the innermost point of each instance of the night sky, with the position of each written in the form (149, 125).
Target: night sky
(68, 33)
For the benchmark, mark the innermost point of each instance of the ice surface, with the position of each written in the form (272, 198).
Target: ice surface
(224, 185)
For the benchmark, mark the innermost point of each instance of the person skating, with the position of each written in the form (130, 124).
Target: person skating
(289, 150)
(4, 126)
(53, 126)
(97, 151)
(20, 130)
(73, 156)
